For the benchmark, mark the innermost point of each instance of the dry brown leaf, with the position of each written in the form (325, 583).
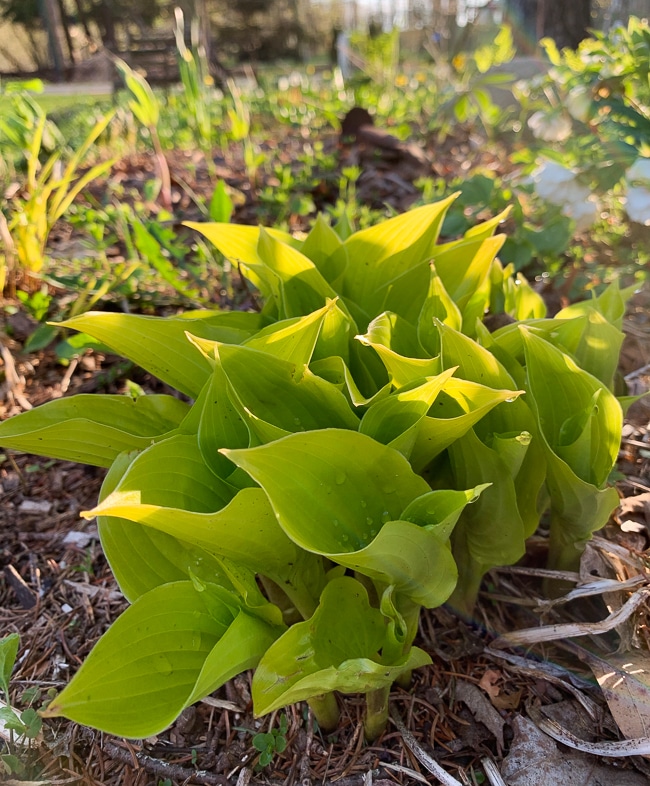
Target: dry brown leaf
(534, 759)
(625, 681)
(489, 682)
(508, 701)
(481, 708)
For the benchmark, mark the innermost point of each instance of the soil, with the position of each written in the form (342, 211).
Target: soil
(57, 592)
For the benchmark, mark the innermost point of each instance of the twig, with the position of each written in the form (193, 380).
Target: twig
(159, 767)
(638, 747)
(568, 630)
(421, 755)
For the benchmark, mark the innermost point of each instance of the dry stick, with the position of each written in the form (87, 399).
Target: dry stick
(421, 755)
(158, 767)
(638, 747)
(567, 630)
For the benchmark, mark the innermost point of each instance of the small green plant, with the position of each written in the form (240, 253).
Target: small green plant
(271, 742)
(240, 131)
(24, 726)
(198, 85)
(146, 108)
(48, 193)
(360, 449)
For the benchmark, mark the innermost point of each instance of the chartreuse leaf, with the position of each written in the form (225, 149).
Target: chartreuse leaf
(340, 494)
(335, 371)
(302, 287)
(438, 305)
(337, 649)
(320, 245)
(187, 501)
(331, 489)
(217, 422)
(143, 558)
(173, 645)
(238, 243)
(93, 429)
(8, 651)
(395, 420)
(379, 256)
(416, 561)
(593, 342)
(160, 345)
(574, 410)
(461, 405)
(281, 393)
(464, 265)
(394, 332)
(580, 422)
(439, 510)
(610, 304)
(478, 543)
(293, 339)
(396, 343)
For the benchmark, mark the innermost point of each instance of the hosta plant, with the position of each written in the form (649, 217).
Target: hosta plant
(366, 445)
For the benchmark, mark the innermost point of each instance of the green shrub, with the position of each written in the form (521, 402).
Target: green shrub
(361, 448)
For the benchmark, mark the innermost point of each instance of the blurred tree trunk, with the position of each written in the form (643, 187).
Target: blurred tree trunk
(566, 22)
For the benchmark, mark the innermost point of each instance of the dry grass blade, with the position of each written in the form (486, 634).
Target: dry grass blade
(492, 773)
(594, 588)
(421, 755)
(573, 629)
(406, 771)
(639, 747)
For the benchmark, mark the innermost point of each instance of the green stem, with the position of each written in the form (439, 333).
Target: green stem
(326, 710)
(376, 712)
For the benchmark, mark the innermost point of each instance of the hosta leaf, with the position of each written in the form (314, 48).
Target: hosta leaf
(463, 266)
(461, 406)
(238, 242)
(521, 300)
(438, 305)
(337, 649)
(610, 304)
(440, 510)
(396, 343)
(416, 561)
(392, 331)
(93, 429)
(593, 342)
(319, 246)
(302, 287)
(286, 395)
(143, 558)
(335, 371)
(331, 488)
(573, 407)
(487, 228)
(219, 423)
(379, 256)
(475, 363)
(294, 339)
(395, 420)
(478, 542)
(580, 422)
(338, 494)
(159, 656)
(159, 344)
